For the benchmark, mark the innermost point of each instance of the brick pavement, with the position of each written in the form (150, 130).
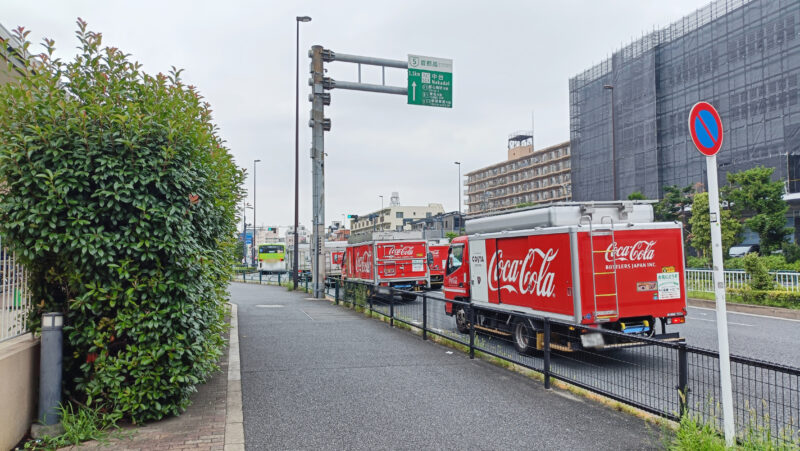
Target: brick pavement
(200, 427)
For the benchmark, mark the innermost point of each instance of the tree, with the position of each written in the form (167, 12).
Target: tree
(700, 237)
(450, 236)
(120, 198)
(672, 207)
(636, 195)
(752, 194)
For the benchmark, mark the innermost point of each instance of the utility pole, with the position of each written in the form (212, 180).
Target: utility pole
(298, 19)
(319, 98)
(255, 262)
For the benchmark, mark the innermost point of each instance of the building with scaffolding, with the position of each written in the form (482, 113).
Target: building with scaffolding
(526, 177)
(629, 114)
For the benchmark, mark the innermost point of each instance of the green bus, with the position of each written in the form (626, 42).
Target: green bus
(272, 258)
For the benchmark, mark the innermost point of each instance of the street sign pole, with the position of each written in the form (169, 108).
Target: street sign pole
(719, 294)
(318, 174)
(705, 129)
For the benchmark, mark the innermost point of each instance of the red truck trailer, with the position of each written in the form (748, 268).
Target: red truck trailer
(601, 265)
(390, 259)
(438, 253)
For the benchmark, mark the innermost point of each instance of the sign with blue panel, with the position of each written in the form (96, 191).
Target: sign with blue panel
(705, 128)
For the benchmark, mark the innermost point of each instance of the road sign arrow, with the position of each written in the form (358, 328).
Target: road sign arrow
(414, 90)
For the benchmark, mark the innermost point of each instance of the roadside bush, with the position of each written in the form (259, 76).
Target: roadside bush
(120, 198)
(697, 262)
(760, 278)
(771, 298)
(791, 252)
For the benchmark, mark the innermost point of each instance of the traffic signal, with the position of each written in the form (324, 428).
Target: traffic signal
(352, 216)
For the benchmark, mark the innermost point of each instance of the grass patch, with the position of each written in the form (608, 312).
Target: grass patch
(81, 424)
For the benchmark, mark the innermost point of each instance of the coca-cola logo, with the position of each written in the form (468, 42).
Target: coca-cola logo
(364, 262)
(639, 251)
(405, 251)
(528, 275)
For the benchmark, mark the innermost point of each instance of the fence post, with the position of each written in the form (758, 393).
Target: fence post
(546, 364)
(369, 299)
(259, 277)
(244, 277)
(471, 333)
(391, 308)
(336, 293)
(306, 280)
(279, 279)
(424, 316)
(683, 378)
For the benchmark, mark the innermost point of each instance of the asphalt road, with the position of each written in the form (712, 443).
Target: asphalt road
(319, 376)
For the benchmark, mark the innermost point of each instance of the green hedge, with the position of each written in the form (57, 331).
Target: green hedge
(771, 298)
(120, 198)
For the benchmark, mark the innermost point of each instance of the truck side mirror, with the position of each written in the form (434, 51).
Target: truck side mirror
(430, 258)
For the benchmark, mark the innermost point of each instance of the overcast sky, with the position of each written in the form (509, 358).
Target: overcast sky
(510, 58)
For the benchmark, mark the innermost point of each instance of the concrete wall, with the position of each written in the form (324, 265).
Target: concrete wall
(19, 382)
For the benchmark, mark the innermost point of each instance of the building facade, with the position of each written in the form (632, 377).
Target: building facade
(438, 226)
(526, 177)
(393, 218)
(629, 114)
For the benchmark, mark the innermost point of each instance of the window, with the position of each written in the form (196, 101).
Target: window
(428, 214)
(270, 249)
(454, 258)
(399, 215)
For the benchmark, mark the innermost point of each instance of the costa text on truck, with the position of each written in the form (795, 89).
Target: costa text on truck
(600, 265)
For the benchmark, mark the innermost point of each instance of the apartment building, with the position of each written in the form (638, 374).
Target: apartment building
(393, 218)
(527, 176)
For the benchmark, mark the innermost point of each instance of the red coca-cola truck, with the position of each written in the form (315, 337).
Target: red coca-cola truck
(389, 259)
(438, 262)
(600, 265)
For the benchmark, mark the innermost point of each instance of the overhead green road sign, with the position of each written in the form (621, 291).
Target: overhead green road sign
(430, 81)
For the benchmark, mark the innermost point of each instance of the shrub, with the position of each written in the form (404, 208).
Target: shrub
(120, 199)
(771, 298)
(760, 278)
(697, 262)
(791, 252)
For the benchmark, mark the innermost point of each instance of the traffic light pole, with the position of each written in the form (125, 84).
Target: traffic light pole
(319, 124)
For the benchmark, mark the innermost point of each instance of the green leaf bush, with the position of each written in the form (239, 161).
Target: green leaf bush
(120, 197)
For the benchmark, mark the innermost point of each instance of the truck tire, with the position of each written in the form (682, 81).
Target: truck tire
(462, 321)
(409, 297)
(523, 336)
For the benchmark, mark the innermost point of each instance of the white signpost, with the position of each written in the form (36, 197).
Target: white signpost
(705, 128)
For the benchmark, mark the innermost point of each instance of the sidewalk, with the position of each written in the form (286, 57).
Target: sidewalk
(318, 376)
(201, 427)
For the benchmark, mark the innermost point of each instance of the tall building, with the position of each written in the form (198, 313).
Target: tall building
(525, 177)
(629, 114)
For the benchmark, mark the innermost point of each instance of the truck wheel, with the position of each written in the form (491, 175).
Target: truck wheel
(462, 323)
(524, 338)
(409, 297)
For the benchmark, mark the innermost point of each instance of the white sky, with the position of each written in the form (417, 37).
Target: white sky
(509, 58)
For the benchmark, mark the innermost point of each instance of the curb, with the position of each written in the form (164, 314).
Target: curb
(762, 310)
(234, 420)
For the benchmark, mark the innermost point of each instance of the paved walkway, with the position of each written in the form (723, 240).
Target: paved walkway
(318, 376)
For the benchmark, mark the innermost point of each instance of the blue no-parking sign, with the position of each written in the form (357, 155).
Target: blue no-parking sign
(705, 128)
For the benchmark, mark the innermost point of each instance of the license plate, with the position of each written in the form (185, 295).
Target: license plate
(592, 340)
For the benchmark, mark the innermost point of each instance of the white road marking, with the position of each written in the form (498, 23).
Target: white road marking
(729, 322)
(309, 316)
(269, 305)
(751, 314)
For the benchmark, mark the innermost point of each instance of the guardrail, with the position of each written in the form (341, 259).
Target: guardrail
(14, 297)
(703, 280)
(669, 379)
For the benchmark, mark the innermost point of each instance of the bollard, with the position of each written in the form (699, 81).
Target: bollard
(279, 279)
(50, 369)
(391, 310)
(259, 277)
(306, 280)
(336, 292)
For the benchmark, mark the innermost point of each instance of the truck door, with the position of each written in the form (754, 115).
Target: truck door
(456, 274)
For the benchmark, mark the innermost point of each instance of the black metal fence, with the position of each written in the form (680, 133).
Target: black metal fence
(669, 379)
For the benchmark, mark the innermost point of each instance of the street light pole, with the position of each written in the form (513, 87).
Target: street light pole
(613, 143)
(254, 212)
(298, 19)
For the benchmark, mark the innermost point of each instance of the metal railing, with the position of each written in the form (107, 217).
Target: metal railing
(702, 280)
(666, 378)
(15, 298)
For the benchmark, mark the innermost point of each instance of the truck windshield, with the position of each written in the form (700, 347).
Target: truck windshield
(274, 249)
(454, 259)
